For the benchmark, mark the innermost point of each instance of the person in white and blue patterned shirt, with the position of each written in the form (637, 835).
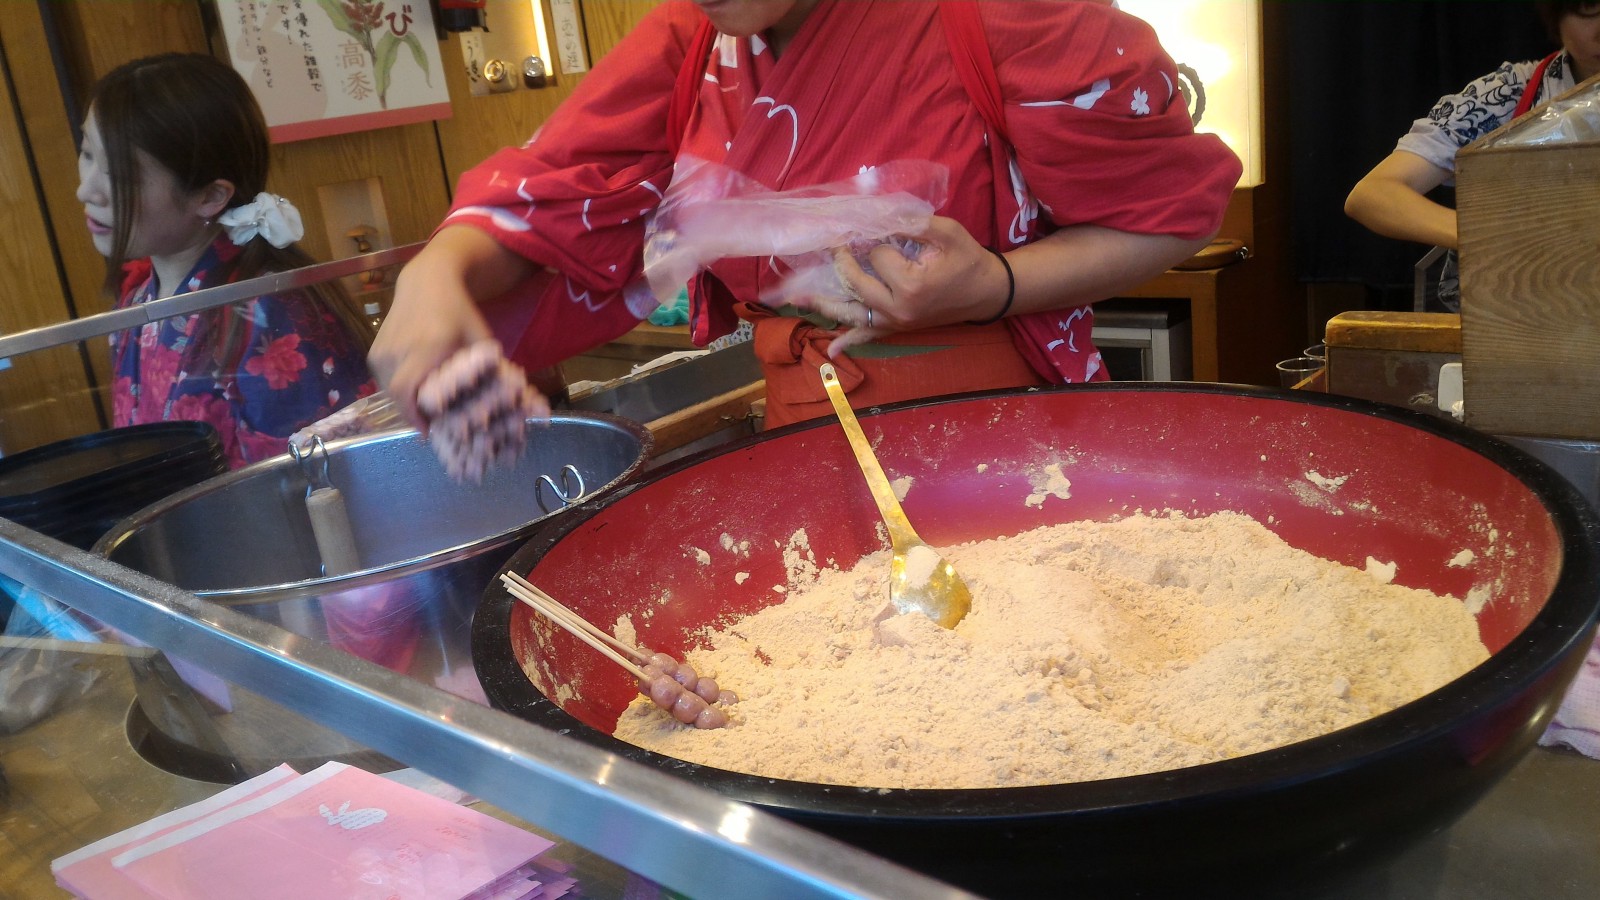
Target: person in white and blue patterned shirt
(1391, 199)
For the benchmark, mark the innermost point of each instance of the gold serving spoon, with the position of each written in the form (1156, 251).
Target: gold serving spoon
(920, 580)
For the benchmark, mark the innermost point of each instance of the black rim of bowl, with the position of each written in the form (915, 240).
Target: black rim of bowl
(1524, 660)
(167, 443)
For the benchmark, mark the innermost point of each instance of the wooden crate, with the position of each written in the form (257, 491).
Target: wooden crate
(1391, 357)
(1529, 221)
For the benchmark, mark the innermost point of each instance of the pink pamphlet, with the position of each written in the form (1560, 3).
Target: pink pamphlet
(88, 872)
(337, 832)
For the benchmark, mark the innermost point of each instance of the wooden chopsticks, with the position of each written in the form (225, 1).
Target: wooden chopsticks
(630, 658)
(670, 685)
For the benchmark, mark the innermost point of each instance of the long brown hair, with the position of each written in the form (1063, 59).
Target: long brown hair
(195, 116)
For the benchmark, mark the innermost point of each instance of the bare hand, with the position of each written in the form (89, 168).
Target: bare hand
(434, 314)
(423, 328)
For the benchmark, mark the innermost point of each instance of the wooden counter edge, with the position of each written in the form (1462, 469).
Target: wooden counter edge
(1378, 330)
(691, 423)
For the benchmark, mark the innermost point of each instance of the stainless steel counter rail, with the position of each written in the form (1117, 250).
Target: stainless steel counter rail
(664, 828)
(116, 320)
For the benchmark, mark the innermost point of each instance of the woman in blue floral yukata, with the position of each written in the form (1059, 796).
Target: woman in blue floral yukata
(172, 170)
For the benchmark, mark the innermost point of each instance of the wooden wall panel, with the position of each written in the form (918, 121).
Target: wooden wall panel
(47, 108)
(606, 21)
(99, 35)
(44, 396)
(404, 160)
(481, 125)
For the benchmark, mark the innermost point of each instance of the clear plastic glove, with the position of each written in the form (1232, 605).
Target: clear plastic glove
(477, 405)
(713, 212)
(372, 413)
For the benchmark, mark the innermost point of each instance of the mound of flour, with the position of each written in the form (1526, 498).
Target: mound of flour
(1093, 650)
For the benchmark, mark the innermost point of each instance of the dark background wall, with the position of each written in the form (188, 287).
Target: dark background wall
(1359, 74)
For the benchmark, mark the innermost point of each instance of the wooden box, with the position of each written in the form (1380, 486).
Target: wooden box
(1391, 357)
(1529, 223)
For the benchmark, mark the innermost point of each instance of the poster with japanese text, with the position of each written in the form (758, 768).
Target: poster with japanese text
(325, 67)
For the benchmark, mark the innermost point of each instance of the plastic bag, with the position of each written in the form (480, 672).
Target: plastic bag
(42, 616)
(1564, 121)
(712, 212)
(375, 412)
(36, 675)
(675, 312)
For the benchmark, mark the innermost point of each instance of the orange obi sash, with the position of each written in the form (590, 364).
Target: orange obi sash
(903, 366)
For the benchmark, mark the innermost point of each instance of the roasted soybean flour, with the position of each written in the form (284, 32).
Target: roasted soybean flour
(1093, 650)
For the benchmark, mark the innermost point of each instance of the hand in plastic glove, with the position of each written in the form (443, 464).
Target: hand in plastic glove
(435, 311)
(950, 278)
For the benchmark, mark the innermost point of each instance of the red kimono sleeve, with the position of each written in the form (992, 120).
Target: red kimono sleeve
(575, 198)
(1100, 129)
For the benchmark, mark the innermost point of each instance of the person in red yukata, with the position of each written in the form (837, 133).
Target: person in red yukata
(1075, 173)
(172, 171)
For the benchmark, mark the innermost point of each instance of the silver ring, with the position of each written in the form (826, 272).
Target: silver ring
(869, 314)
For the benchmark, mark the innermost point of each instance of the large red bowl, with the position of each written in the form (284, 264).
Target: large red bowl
(1341, 478)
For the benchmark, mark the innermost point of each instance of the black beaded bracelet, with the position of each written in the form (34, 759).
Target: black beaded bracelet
(1011, 292)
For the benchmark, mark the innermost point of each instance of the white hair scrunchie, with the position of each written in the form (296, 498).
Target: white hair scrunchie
(270, 216)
